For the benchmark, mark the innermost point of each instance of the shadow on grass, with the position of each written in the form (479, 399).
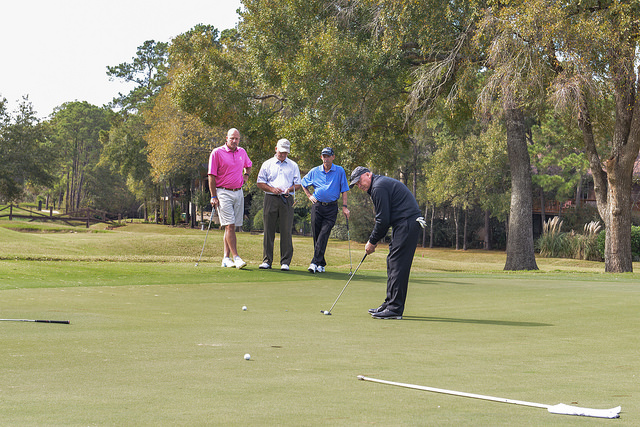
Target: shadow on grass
(338, 276)
(475, 321)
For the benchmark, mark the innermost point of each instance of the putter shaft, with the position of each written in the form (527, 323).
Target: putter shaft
(348, 281)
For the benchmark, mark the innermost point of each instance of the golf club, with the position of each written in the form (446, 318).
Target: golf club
(349, 238)
(66, 322)
(328, 313)
(206, 235)
(560, 408)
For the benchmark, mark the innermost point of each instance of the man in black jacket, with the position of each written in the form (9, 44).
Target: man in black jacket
(395, 207)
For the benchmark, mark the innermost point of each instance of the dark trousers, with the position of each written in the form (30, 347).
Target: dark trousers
(323, 218)
(278, 211)
(404, 239)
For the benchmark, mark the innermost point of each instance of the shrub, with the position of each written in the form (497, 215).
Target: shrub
(553, 243)
(635, 243)
(585, 246)
(258, 220)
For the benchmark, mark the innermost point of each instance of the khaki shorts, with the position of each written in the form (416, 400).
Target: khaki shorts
(231, 208)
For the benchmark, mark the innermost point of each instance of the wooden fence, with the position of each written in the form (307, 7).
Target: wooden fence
(86, 216)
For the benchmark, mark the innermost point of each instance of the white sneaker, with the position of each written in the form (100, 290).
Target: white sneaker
(284, 267)
(264, 266)
(320, 269)
(312, 268)
(227, 262)
(239, 263)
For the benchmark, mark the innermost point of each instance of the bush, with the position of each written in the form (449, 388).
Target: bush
(362, 215)
(635, 243)
(585, 246)
(258, 220)
(554, 243)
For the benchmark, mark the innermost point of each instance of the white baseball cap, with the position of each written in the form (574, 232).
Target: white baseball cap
(283, 145)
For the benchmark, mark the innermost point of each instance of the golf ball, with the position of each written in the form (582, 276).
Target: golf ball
(326, 312)
(247, 356)
(244, 308)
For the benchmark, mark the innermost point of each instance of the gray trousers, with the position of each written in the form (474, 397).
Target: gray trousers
(278, 211)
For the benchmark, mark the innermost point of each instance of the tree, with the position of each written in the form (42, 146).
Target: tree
(76, 128)
(125, 148)
(148, 70)
(573, 52)
(466, 169)
(558, 159)
(179, 143)
(179, 146)
(300, 70)
(25, 154)
(450, 52)
(595, 48)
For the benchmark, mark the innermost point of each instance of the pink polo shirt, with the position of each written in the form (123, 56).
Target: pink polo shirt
(227, 166)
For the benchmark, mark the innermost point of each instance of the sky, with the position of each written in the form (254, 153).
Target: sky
(57, 51)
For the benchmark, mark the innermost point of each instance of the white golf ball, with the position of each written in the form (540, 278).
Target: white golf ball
(247, 356)
(244, 308)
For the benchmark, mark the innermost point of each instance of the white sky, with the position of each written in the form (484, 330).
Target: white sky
(57, 51)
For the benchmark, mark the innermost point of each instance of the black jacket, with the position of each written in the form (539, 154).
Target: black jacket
(393, 203)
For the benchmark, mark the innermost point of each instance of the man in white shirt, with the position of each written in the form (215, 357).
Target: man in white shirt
(279, 178)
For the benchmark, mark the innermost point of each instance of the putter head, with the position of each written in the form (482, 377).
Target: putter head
(327, 313)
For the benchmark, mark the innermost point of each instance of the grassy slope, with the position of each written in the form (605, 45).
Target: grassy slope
(155, 340)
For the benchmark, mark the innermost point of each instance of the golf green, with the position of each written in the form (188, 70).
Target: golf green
(154, 340)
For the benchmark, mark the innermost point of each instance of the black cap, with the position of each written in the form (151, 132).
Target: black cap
(356, 174)
(328, 151)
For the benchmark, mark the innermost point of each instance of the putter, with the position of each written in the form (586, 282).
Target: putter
(66, 322)
(328, 313)
(205, 237)
(349, 238)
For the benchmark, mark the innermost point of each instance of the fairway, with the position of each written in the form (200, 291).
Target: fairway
(154, 340)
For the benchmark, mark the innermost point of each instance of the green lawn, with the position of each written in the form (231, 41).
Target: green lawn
(155, 340)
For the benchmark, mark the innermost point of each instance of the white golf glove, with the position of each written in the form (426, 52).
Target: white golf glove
(421, 221)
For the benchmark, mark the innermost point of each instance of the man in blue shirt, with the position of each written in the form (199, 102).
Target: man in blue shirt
(328, 181)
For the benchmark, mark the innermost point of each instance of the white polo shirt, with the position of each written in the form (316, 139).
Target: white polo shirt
(279, 174)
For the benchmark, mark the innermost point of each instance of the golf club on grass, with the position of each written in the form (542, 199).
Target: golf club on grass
(328, 313)
(66, 322)
(349, 238)
(560, 408)
(205, 237)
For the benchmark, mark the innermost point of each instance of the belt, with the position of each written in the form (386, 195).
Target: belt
(231, 189)
(335, 202)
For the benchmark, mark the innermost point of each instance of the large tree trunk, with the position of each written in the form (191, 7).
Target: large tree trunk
(617, 255)
(520, 249)
(613, 177)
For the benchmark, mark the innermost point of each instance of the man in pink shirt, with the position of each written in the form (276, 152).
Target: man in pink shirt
(229, 169)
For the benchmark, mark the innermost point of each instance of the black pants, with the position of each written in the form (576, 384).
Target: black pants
(323, 218)
(404, 239)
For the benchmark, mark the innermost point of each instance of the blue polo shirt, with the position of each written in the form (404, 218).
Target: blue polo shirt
(327, 185)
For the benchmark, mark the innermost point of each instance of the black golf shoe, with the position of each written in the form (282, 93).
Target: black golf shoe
(387, 314)
(377, 310)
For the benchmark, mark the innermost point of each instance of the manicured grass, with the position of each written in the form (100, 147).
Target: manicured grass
(155, 340)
